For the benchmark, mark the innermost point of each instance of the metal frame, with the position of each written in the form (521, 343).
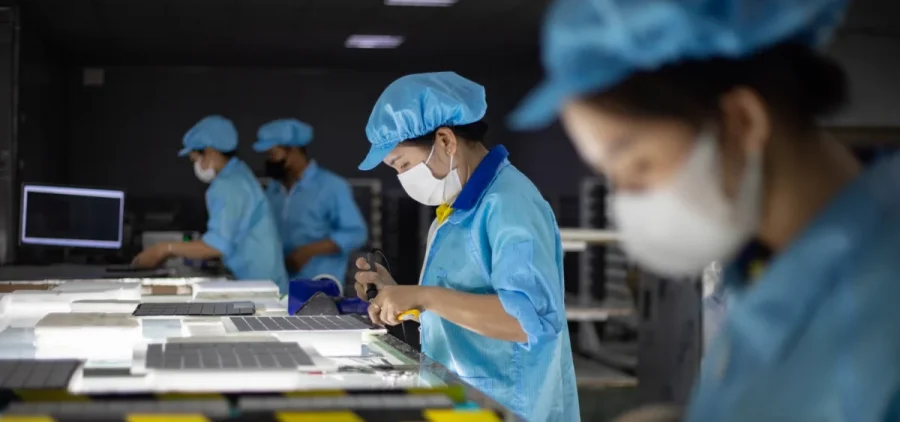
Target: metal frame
(447, 376)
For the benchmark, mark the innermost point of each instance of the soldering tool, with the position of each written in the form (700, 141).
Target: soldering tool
(372, 292)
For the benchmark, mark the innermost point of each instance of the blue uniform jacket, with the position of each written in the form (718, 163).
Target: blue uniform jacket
(319, 206)
(817, 336)
(502, 238)
(241, 226)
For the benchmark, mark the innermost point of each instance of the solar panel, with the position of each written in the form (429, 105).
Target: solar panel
(217, 408)
(195, 309)
(37, 374)
(360, 402)
(300, 323)
(111, 408)
(235, 355)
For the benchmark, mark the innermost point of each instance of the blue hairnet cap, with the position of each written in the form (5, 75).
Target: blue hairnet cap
(215, 132)
(283, 132)
(590, 45)
(418, 104)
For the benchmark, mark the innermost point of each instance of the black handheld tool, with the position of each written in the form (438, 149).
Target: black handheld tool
(371, 288)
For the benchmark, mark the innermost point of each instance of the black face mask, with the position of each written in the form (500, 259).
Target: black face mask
(276, 169)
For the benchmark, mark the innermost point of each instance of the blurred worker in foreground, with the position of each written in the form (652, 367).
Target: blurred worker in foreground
(491, 288)
(241, 229)
(319, 221)
(703, 116)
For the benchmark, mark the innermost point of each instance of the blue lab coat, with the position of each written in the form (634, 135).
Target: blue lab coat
(241, 226)
(817, 336)
(319, 206)
(502, 239)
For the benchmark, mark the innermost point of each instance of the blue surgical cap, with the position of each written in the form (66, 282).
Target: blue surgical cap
(416, 105)
(215, 132)
(591, 45)
(283, 132)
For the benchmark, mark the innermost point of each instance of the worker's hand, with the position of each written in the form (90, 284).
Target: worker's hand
(652, 413)
(298, 258)
(151, 257)
(393, 300)
(380, 277)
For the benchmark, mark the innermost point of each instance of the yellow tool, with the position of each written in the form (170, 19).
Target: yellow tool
(411, 315)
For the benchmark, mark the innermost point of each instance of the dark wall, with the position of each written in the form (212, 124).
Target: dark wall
(8, 163)
(43, 111)
(126, 133)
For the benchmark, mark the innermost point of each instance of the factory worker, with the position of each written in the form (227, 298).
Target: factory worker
(703, 116)
(319, 221)
(491, 288)
(241, 229)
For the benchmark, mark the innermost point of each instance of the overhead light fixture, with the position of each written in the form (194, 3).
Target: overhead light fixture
(373, 41)
(421, 3)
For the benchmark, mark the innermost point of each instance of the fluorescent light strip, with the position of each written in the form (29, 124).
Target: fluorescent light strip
(373, 41)
(59, 190)
(421, 3)
(75, 243)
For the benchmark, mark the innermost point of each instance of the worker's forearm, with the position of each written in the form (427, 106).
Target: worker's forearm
(299, 257)
(483, 314)
(196, 249)
(322, 247)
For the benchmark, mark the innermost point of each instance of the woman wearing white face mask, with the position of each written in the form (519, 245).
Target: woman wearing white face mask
(241, 228)
(491, 288)
(704, 116)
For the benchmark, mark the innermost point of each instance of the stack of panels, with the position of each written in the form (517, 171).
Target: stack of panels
(195, 309)
(37, 374)
(231, 356)
(300, 323)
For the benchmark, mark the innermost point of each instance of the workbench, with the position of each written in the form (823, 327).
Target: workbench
(383, 363)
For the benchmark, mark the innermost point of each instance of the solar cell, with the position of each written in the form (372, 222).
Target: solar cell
(300, 323)
(195, 309)
(238, 355)
(37, 374)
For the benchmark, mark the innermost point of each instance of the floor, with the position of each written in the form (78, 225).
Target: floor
(600, 405)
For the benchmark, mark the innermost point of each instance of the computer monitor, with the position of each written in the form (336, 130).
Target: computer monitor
(72, 217)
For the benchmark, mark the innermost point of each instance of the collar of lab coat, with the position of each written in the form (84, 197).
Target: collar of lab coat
(478, 183)
(772, 311)
(230, 165)
(309, 174)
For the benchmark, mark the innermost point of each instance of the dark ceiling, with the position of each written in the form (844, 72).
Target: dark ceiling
(312, 32)
(284, 32)
(879, 18)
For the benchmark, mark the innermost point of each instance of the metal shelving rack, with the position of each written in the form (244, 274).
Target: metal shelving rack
(367, 193)
(664, 313)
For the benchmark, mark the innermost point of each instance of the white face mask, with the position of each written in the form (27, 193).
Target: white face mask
(679, 229)
(422, 186)
(205, 175)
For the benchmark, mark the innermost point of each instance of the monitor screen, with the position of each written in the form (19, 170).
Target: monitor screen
(74, 217)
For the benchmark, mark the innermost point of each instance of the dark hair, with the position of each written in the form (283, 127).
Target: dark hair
(472, 132)
(229, 154)
(798, 84)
